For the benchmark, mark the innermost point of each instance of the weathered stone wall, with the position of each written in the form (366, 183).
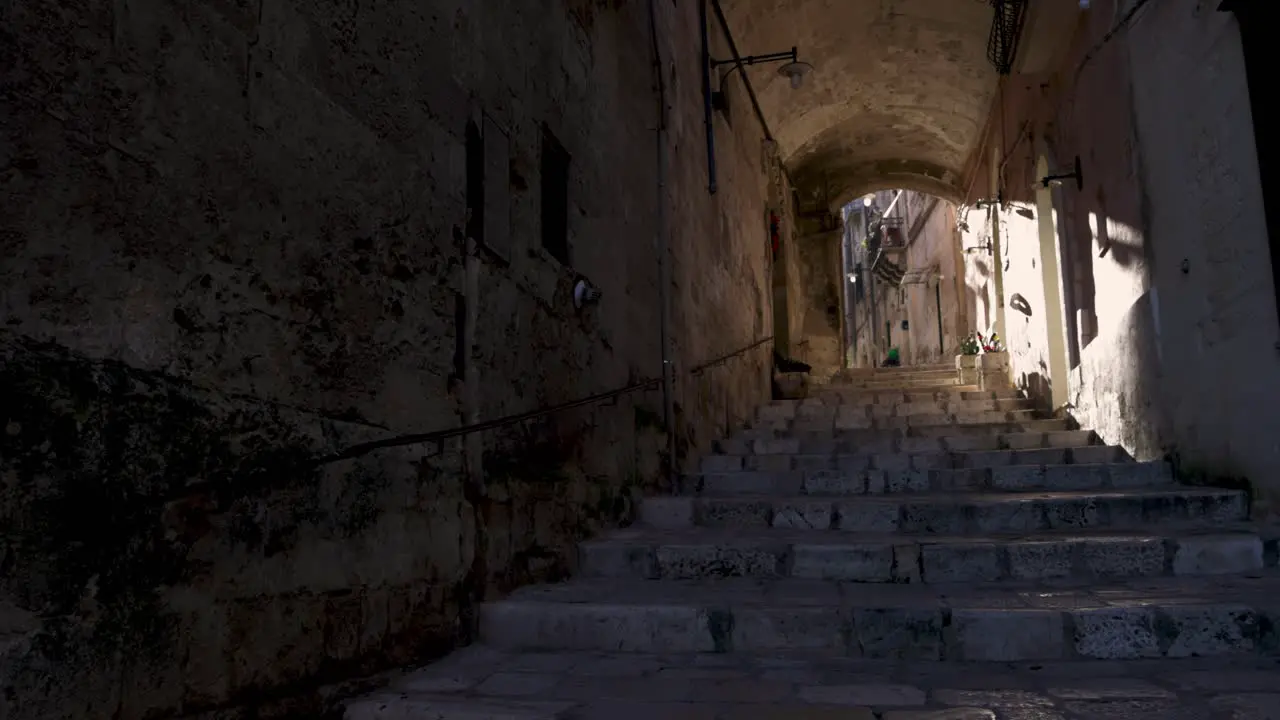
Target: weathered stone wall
(818, 257)
(933, 245)
(1213, 297)
(1170, 308)
(234, 242)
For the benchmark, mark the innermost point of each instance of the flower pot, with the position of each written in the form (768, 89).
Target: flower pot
(993, 370)
(967, 369)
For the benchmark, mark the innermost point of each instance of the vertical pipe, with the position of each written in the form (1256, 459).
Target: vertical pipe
(708, 117)
(663, 243)
(937, 300)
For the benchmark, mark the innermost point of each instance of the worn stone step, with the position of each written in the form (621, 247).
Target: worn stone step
(855, 480)
(1170, 549)
(835, 395)
(762, 442)
(1069, 446)
(951, 513)
(1041, 620)
(787, 416)
(859, 420)
(439, 706)
(605, 685)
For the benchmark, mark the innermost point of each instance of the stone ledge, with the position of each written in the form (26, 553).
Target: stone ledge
(1147, 618)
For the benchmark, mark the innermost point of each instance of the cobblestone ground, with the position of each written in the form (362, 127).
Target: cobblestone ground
(480, 683)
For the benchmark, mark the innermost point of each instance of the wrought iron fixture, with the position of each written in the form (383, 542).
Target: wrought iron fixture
(1077, 175)
(1006, 25)
(793, 69)
(997, 201)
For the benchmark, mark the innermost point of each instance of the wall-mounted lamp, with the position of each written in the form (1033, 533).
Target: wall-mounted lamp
(1077, 175)
(997, 201)
(853, 278)
(794, 70)
(585, 293)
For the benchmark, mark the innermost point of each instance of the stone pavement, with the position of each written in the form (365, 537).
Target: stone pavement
(896, 530)
(481, 683)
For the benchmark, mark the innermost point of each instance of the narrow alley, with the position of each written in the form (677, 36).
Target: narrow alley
(576, 359)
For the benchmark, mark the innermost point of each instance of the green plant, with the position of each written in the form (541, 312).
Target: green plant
(970, 345)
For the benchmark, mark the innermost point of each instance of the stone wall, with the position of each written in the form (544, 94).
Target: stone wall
(236, 243)
(818, 257)
(933, 246)
(1170, 309)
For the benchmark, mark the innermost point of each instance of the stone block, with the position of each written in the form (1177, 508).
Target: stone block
(962, 562)
(1206, 630)
(521, 625)
(667, 512)
(866, 516)
(1115, 633)
(1007, 635)
(1039, 560)
(836, 483)
(788, 628)
(897, 633)
(604, 558)
(1123, 557)
(880, 695)
(718, 463)
(701, 560)
(1217, 555)
(803, 515)
(862, 562)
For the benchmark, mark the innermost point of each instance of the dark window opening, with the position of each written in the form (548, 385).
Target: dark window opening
(475, 183)
(555, 197)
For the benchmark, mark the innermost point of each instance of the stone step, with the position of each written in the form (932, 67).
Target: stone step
(835, 395)
(796, 412)
(918, 384)
(1040, 620)
(602, 685)
(859, 419)
(1169, 549)
(951, 513)
(1077, 446)
(431, 706)
(867, 481)
(760, 442)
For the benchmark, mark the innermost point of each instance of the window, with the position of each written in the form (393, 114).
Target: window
(555, 197)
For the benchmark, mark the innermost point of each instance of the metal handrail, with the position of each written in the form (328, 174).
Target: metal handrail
(698, 370)
(439, 436)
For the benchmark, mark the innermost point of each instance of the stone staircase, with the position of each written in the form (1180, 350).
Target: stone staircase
(895, 515)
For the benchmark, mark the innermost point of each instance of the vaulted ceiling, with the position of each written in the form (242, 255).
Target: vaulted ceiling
(898, 97)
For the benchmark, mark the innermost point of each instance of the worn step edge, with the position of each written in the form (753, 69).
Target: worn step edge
(852, 481)
(972, 439)
(905, 559)
(938, 459)
(920, 625)
(950, 513)
(415, 706)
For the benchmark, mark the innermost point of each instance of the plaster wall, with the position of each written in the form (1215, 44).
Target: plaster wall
(234, 241)
(1170, 307)
(1213, 298)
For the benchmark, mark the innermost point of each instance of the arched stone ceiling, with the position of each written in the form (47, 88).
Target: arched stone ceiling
(898, 96)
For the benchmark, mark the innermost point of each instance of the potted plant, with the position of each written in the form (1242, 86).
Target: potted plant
(993, 363)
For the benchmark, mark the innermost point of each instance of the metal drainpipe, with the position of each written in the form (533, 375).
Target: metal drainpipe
(937, 300)
(663, 242)
(707, 113)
